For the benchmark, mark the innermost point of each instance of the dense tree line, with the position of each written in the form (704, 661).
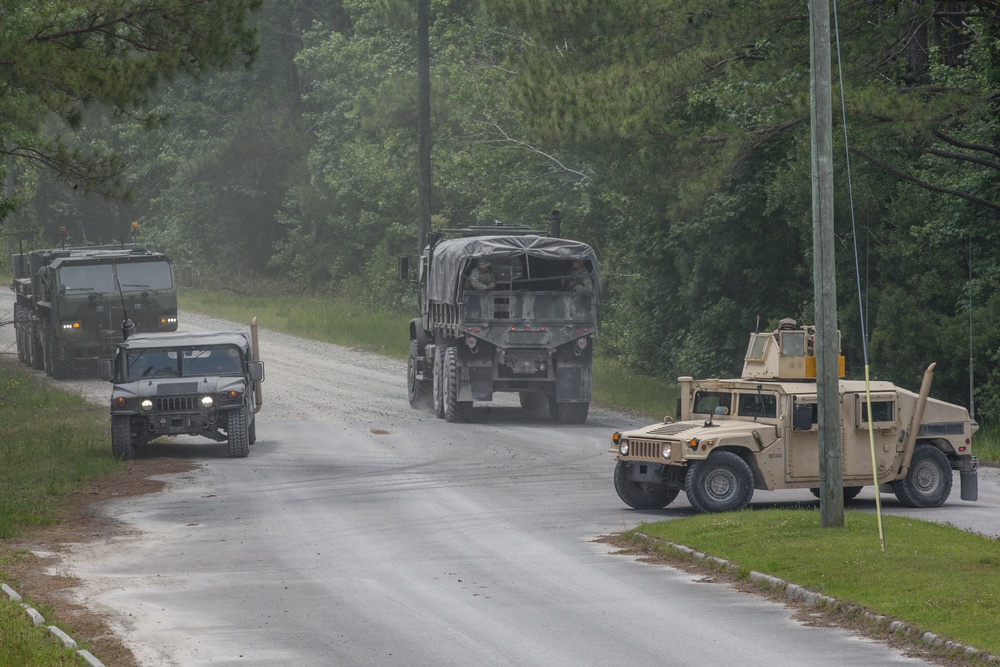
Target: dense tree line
(672, 135)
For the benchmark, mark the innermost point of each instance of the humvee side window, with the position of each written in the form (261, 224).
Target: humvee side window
(758, 405)
(883, 412)
(710, 402)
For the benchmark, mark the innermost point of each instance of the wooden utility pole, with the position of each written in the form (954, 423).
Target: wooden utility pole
(423, 124)
(831, 473)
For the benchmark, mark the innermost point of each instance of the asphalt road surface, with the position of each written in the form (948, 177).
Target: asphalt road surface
(362, 532)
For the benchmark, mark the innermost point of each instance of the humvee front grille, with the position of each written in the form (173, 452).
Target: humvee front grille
(177, 404)
(646, 449)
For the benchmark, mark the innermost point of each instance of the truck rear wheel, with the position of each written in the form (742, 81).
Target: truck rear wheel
(37, 356)
(121, 437)
(454, 409)
(642, 495)
(721, 483)
(531, 400)
(572, 413)
(60, 362)
(928, 481)
(437, 382)
(416, 388)
(236, 432)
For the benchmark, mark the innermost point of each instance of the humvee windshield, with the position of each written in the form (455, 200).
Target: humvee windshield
(186, 362)
(132, 276)
(712, 402)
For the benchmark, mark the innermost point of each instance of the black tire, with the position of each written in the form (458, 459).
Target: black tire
(928, 481)
(553, 408)
(437, 382)
(237, 435)
(417, 389)
(721, 483)
(121, 437)
(850, 492)
(60, 362)
(531, 400)
(47, 360)
(37, 355)
(573, 413)
(19, 334)
(642, 495)
(454, 409)
(252, 432)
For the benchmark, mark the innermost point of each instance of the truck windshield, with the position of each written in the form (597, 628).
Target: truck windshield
(134, 276)
(88, 277)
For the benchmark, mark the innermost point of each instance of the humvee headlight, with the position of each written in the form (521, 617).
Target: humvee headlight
(623, 447)
(207, 402)
(666, 451)
(146, 405)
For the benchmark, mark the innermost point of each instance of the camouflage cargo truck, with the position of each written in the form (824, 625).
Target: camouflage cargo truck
(760, 431)
(530, 331)
(69, 302)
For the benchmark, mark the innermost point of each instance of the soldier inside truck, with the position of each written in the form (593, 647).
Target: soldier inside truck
(532, 273)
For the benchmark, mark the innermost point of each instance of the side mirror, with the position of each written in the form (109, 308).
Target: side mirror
(256, 369)
(104, 369)
(404, 268)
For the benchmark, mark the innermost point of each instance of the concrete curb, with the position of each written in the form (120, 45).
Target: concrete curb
(796, 592)
(38, 620)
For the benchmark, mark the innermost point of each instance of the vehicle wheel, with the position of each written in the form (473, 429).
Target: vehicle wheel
(416, 388)
(642, 495)
(454, 409)
(252, 432)
(721, 483)
(850, 492)
(19, 337)
(121, 437)
(573, 413)
(928, 482)
(437, 382)
(37, 356)
(236, 430)
(531, 400)
(553, 408)
(47, 357)
(60, 362)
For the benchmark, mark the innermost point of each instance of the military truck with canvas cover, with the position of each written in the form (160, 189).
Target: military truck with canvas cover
(202, 383)
(530, 331)
(69, 302)
(760, 431)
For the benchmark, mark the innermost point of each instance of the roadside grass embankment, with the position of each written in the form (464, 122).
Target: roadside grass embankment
(932, 577)
(52, 444)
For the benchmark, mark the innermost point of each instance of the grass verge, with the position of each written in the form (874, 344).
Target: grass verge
(52, 444)
(931, 576)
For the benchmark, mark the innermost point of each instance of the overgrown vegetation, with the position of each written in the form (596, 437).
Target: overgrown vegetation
(935, 577)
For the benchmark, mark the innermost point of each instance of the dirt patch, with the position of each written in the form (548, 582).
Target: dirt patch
(32, 562)
(823, 616)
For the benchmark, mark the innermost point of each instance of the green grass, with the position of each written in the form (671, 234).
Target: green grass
(931, 576)
(23, 644)
(51, 444)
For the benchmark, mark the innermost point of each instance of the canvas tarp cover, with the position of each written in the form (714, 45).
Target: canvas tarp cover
(452, 256)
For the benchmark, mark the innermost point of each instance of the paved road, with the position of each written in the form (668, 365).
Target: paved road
(361, 532)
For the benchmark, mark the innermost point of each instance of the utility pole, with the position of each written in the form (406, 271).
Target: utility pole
(423, 124)
(831, 472)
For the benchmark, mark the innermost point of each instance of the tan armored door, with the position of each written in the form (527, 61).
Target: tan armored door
(802, 452)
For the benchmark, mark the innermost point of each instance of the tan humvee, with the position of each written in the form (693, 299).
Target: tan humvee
(760, 432)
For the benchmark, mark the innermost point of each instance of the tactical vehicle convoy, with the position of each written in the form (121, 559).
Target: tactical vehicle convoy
(760, 432)
(69, 302)
(204, 383)
(503, 309)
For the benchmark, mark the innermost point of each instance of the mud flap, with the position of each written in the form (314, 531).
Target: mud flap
(572, 383)
(970, 481)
